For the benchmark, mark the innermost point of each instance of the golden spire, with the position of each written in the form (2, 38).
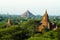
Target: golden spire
(45, 17)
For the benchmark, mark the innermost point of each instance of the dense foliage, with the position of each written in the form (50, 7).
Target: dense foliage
(25, 29)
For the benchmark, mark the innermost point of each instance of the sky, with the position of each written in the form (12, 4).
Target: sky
(36, 7)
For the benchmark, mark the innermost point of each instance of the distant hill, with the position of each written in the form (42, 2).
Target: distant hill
(27, 14)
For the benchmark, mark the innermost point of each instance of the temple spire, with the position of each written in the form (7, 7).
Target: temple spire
(8, 22)
(45, 11)
(45, 17)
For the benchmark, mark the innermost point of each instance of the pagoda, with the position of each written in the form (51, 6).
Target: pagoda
(45, 23)
(8, 22)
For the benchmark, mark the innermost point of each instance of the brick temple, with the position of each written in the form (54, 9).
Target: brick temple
(46, 23)
(8, 22)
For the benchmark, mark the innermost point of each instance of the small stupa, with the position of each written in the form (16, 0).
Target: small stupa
(8, 22)
(55, 27)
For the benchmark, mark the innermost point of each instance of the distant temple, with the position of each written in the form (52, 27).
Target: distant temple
(45, 23)
(8, 22)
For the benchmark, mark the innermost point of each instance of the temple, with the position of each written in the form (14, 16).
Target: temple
(45, 23)
(8, 22)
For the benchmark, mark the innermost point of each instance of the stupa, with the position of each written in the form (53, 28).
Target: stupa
(8, 22)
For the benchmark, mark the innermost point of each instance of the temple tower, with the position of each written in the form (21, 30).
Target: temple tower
(8, 22)
(45, 20)
(45, 23)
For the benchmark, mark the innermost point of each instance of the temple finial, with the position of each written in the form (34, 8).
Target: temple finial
(45, 11)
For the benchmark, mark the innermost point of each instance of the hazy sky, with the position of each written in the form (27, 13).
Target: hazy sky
(35, 6)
